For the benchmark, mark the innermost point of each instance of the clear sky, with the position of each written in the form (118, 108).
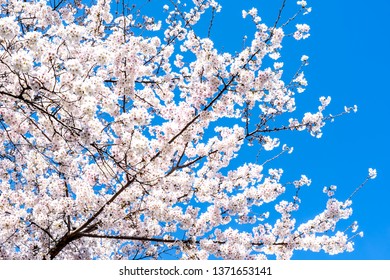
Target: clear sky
(349, 57)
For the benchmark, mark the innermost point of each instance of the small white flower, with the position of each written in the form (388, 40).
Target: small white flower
(355, 227)
(253, 12)
(307, 11)
(9, 28)
(302, 31)
(269, 143)
(287, 148)
(22, 61)
(325, 101)
(372, 173)
(304, 58)
(278, 65)
(274, 55)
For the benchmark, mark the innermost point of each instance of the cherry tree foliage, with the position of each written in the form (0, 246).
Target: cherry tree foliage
(119, 133)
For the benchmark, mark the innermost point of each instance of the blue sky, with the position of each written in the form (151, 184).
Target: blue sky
(348, 50)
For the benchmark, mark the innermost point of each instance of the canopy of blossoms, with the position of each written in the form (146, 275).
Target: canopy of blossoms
(117, 130)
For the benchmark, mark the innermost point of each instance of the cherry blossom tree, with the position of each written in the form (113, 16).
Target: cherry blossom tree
(119, 133)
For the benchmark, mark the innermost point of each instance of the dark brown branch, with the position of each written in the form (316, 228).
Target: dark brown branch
(88, 226)
(167, 241)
